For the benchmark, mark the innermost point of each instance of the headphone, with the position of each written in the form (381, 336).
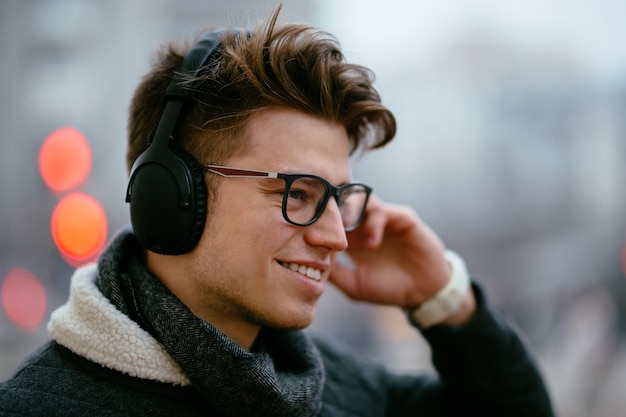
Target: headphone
(166, 188)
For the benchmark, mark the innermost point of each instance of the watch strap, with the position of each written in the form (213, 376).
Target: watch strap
(449, 299)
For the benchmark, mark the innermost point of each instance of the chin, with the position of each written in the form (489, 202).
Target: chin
(294, 321)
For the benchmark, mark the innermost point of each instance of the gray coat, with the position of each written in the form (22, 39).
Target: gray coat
(102, 363)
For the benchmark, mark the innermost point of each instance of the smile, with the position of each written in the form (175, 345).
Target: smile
(314, 274)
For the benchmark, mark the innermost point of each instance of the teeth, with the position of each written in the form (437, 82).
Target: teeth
(314, 274)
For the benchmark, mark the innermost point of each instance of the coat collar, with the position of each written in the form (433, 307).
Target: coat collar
(90, 326)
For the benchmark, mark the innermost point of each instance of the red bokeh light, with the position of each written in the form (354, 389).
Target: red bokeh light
(79, 227)
(624, 259)
(64, 159)
(24, 299)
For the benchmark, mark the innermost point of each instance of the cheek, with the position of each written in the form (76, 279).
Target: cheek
(246, 232)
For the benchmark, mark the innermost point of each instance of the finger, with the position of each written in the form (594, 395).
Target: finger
(371, 231)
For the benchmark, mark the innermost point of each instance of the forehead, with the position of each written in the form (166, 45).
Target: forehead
(290, 141)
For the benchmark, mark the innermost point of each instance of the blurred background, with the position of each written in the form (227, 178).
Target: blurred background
(511, 145)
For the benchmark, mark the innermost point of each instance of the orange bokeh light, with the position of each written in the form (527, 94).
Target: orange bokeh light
(64, 159)
(24, 299)
(79, 227)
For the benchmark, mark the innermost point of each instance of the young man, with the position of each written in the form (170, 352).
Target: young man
(240, 202)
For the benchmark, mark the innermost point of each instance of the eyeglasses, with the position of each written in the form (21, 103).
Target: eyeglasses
(305, 196)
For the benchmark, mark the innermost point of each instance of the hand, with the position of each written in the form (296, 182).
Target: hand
(397, 259)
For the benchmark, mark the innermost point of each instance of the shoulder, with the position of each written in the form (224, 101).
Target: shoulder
(353, 383)
(54, 381)
(26, 392)
(44, 362)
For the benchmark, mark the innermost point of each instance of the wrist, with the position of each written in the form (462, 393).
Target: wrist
(454, 304)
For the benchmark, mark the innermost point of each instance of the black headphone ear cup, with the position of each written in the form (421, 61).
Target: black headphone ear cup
(198, 186)
(168, 202)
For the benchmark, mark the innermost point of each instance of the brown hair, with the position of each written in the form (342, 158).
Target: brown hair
(290, 65)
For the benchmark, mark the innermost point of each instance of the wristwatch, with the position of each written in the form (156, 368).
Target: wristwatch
(448, 300)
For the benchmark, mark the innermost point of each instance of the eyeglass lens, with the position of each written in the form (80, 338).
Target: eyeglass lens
(307, 197)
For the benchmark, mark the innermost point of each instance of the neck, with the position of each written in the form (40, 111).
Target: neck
(172, 272)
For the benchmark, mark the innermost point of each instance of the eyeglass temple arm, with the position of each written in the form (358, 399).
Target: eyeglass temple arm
(237, 172)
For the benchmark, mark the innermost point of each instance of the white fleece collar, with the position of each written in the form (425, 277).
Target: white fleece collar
(90, 326)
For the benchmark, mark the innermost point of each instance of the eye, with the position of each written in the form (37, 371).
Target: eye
(297, 194)
(305, 192)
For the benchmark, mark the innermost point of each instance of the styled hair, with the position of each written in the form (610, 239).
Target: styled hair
(276, 66)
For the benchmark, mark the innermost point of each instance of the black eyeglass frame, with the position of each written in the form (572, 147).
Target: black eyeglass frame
(331, 190)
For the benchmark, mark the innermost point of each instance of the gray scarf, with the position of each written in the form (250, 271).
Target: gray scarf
(281, 376)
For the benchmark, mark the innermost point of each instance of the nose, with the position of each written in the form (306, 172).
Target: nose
(328, 230)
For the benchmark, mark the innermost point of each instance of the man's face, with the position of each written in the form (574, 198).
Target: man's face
(242, 269)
